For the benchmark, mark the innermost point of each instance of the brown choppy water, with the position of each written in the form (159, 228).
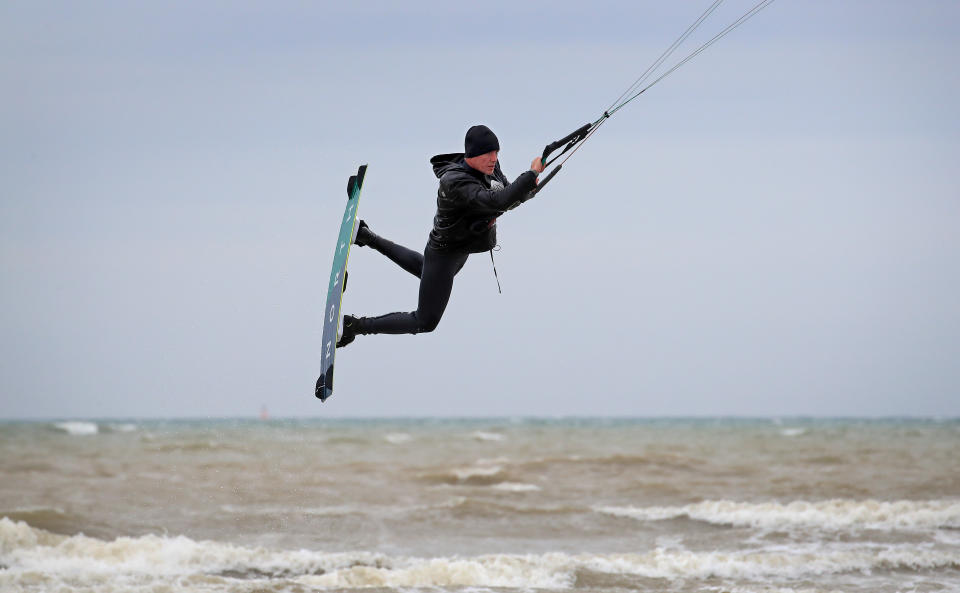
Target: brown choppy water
(481, 505)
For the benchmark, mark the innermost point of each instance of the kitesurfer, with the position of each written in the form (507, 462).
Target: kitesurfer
(473, 192)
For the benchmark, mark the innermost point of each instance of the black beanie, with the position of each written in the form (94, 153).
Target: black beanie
(480, 140)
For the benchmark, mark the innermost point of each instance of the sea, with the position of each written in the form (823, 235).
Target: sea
(481, 505)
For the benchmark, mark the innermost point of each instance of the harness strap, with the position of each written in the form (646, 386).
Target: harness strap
(495, 272)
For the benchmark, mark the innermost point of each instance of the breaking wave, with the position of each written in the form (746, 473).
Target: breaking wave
(398, 438)
(516, 487)
(827, 515)
(481, 435)
(77, 428)
(485, 472)
(153, 562)
(86, 428)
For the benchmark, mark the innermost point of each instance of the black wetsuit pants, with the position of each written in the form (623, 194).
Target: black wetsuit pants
(435, 269)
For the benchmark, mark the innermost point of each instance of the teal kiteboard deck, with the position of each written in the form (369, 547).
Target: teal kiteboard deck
(338, 277)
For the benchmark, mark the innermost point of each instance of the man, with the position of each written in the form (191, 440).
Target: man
(473, 193)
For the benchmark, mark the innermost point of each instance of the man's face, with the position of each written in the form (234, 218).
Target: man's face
(485, 163)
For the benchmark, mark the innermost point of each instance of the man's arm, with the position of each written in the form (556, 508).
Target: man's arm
(480, 199)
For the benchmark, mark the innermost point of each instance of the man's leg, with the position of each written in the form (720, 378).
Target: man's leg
(436, 284)
(407, 259)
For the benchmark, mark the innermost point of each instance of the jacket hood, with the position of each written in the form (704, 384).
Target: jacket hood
(454, 160)
(444, 162)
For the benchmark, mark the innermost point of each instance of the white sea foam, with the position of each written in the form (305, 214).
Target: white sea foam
(151, 560)
(27, 549)
(949, 537)
(677, 564)
(487, 436)
(77, 428)
(793, 432)
(179, 563)
(516, 487)
(397, 438)
(827, 515)
(500, 570)
(477, 471)
(560, 570)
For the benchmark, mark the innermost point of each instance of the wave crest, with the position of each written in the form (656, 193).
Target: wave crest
(77, 428)
(153, 562)
(828, 515)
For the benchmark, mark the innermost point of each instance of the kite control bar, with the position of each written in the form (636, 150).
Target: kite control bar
(571, 140)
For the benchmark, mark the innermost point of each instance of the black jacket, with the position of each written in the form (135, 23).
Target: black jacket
(469, 202)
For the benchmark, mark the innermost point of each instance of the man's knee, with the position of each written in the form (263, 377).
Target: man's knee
(428, 323)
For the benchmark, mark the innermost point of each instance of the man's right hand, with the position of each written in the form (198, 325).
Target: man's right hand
(537, 166)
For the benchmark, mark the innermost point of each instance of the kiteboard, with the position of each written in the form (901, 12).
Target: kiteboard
(338, 277)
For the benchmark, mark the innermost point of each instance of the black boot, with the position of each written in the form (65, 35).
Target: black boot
(350, 328)
(364, 235)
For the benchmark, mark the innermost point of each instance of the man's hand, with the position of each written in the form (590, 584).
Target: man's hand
(537, 166)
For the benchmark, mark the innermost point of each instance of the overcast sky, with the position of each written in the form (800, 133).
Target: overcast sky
(772, 230)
